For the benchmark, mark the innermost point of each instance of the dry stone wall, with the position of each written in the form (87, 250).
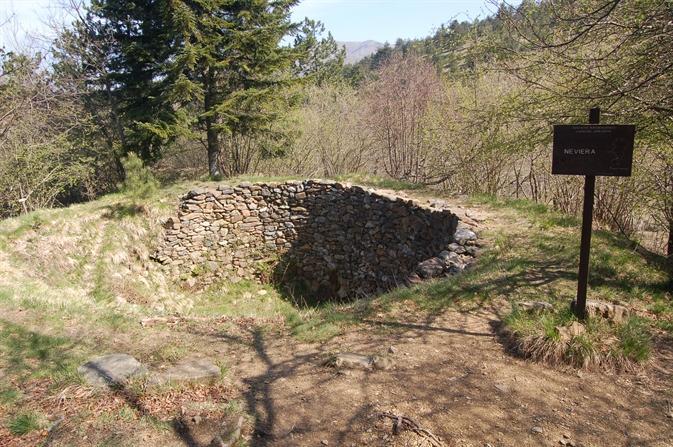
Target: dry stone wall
(333, 239)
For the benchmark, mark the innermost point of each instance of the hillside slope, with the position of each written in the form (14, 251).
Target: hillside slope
(78, 282)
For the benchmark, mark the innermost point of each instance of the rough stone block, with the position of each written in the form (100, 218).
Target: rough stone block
(111, 370)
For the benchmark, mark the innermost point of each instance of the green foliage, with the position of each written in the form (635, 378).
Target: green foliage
(217, 67)
(48, 149)
(634, 339)
(24, 423)
(139, 182)
(322, 60)
(9, 395)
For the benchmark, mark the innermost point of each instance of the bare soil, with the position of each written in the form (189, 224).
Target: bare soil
(454, 378)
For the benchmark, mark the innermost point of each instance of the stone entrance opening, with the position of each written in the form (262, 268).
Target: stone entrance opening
(332, 240)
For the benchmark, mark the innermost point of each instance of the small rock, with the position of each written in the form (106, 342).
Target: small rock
(536, 430)
(567, 333)
(535, 306)
(383, 363)
(358, 361)
(262, 292)
(430, 268)
(612, 312)
(230, 437)
(456, 248)
(324, 442)
(414, 279)
(502, 387)
(112, 369)
(349, 360)
(463, 235)
(189, 369)
(392, 349)
(450, 258)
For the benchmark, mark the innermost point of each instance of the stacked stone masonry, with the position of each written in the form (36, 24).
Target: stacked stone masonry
(335, 240)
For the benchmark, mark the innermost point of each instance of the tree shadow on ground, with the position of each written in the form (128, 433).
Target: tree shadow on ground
(27, 352)
(284, 412)
(120, 211)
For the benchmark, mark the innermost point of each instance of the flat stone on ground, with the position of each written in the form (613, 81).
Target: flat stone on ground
(112, 369)
(536, 306)
(358, 361)
(189, 369)
(350, 360)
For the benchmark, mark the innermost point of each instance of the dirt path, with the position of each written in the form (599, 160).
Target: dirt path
(452, 375)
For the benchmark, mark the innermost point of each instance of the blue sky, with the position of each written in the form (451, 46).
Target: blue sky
(387, 20)
(348, 20)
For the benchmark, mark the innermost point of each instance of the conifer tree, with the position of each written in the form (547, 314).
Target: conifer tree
(171, 68)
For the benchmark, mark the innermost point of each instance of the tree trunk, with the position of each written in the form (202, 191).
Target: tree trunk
(212, 134)
(213, 149)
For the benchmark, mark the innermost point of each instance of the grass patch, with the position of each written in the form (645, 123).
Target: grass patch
(634, 340)
(9, 396)
(23, 224)
(169, 353)
(244, 298)
(320, 323)
(28, 354)
(557, 337)
(24, 423)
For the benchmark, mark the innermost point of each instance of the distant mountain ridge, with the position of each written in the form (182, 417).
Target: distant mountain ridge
(356, 51)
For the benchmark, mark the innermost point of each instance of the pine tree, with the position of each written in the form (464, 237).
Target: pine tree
(175, 67)
(233, 61)
(139, 39)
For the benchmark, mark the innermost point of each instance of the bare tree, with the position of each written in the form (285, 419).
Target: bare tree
(397, 103)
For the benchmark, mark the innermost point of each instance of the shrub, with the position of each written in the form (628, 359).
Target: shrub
(139, 183)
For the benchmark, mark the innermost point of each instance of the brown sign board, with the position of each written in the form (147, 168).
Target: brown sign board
(593, 149)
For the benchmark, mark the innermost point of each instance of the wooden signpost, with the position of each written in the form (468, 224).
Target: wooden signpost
(591, 150)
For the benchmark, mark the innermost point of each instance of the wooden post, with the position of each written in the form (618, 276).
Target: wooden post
(580, 303)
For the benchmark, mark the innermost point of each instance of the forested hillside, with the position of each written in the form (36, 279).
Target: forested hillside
(222, 88)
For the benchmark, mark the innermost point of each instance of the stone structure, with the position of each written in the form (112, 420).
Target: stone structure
(335, 240)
